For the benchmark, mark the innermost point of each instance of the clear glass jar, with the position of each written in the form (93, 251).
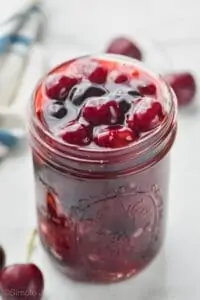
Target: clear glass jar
(102, 214)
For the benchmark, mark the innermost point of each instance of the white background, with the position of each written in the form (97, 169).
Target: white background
(77, 25)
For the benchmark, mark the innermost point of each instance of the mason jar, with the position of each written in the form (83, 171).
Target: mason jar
(102, 214)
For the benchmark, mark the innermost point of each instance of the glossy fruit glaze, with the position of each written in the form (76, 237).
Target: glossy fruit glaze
(99, 226)
(95, 104)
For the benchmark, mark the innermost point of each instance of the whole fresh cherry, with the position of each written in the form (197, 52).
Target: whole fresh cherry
(21, 282)
(184, 86)
(2, 257)
(124, 46)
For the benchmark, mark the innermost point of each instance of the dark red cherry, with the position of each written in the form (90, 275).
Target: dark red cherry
(85, 90)
(98, 75)
(21, 282)
(147, 89)
(124, 46)
(99, 111)
(51, 205)
(115, 137)
(146, 115)
(58, 86)
(184, 86)
(76, 133)
(2, 257)
(53, 209)
(57, 110)
(121, 78)
(125, 97)
(125, 105)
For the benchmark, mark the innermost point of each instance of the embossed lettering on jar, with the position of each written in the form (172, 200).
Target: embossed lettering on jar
(101, 146)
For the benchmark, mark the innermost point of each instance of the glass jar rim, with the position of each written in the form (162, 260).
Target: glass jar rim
(97, 155)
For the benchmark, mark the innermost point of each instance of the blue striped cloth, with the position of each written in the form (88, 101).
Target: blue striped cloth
(10, 30)
(17, 35)
(8, 141)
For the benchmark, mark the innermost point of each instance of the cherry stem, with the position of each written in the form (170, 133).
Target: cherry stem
(31, 245)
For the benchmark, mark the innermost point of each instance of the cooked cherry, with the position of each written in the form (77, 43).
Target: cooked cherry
(51, 205)
(184, 86)
(121, 78)
(54, 213)
(21, 282)
(124, 46)
(58, 86)
(147, 89)
(77, 134)
(101, 111)
(2, 257)
(83, 91)
(57, 110)
(63, 243)
(99, 75)
(125, 105)
(115, 137)
(125, 97)
(146, 115)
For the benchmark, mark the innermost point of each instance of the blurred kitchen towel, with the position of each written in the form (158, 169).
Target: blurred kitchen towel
(21, 65)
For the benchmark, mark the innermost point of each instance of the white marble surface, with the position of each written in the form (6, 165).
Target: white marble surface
(78, 26)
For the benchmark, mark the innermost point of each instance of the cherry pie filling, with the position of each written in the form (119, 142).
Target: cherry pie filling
(93, 104)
